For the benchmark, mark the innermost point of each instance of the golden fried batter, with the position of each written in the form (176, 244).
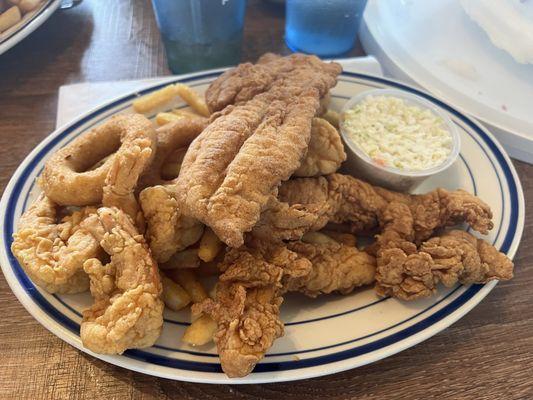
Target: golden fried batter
(232, 168)
(250, 290)
(127, 311)
(335, 267)
(51, 253)
(67, 179)
(121, 180)
(168, 231)
(455, 257)
(308, 204)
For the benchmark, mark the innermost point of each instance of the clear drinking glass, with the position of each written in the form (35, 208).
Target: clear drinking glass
(324, 27)
(200, 34)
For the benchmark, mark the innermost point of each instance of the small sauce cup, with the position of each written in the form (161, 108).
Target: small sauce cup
(360, 164)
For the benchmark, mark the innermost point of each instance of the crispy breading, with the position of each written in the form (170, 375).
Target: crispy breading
(242, 83)
(52, 253)
(127, 311)
(168, 230)
(246, 307)
(308, 204)
(170, 137)
(121, 180)
(249, 293)
(336, 267)
(233, 167)
(454, 257)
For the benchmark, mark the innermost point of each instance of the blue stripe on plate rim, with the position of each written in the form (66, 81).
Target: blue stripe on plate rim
(516, 203)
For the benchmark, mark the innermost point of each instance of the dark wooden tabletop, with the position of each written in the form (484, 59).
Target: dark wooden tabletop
(486, 355)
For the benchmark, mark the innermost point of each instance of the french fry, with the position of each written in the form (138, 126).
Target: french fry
(344, 238)
(332, 117)
(28, 5)
(187, 279)
(182, 259)
(9, 18)
(317, 238)
(200, 332)
(164, 118)
(210, 246)
(174, 296)
(186, 112)
(156, 99)
(193, 99)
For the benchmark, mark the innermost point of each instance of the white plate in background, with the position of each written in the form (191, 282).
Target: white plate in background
(438, 46)
(28, 24)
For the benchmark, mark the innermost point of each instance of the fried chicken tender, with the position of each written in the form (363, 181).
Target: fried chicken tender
(127, 311)
(52, 253)
(308, 204)
(335, 267)
(325, 153)
(235, 164)
(249, 293)
(168, 230)
(246, 309)
(455, 257)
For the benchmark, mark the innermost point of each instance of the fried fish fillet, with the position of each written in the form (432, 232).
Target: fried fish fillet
(242, 83)
(231, 169)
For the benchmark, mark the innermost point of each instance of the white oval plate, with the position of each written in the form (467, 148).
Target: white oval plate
(27, 25)
(323, 336)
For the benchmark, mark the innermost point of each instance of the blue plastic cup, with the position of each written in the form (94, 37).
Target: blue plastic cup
(324, 27)
(200, 34)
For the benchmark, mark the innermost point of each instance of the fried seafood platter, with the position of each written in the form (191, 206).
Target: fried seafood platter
(226, 208)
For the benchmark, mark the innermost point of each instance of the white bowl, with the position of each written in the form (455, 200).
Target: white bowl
(359, 163)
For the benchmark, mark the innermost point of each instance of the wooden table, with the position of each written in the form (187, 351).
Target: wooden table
(486, 355)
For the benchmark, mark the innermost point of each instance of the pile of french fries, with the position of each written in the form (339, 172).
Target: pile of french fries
(180, 274)
(13, 11)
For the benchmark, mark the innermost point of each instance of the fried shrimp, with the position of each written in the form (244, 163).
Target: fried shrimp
(127, 310)
(51, 253)
(66, 179)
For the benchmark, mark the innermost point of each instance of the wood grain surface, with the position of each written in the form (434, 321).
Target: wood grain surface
(486, 355)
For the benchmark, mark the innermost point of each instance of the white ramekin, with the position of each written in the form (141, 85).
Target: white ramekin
(360, 164)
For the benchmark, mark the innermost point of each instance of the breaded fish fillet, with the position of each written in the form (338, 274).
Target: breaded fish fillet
(232, 168)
